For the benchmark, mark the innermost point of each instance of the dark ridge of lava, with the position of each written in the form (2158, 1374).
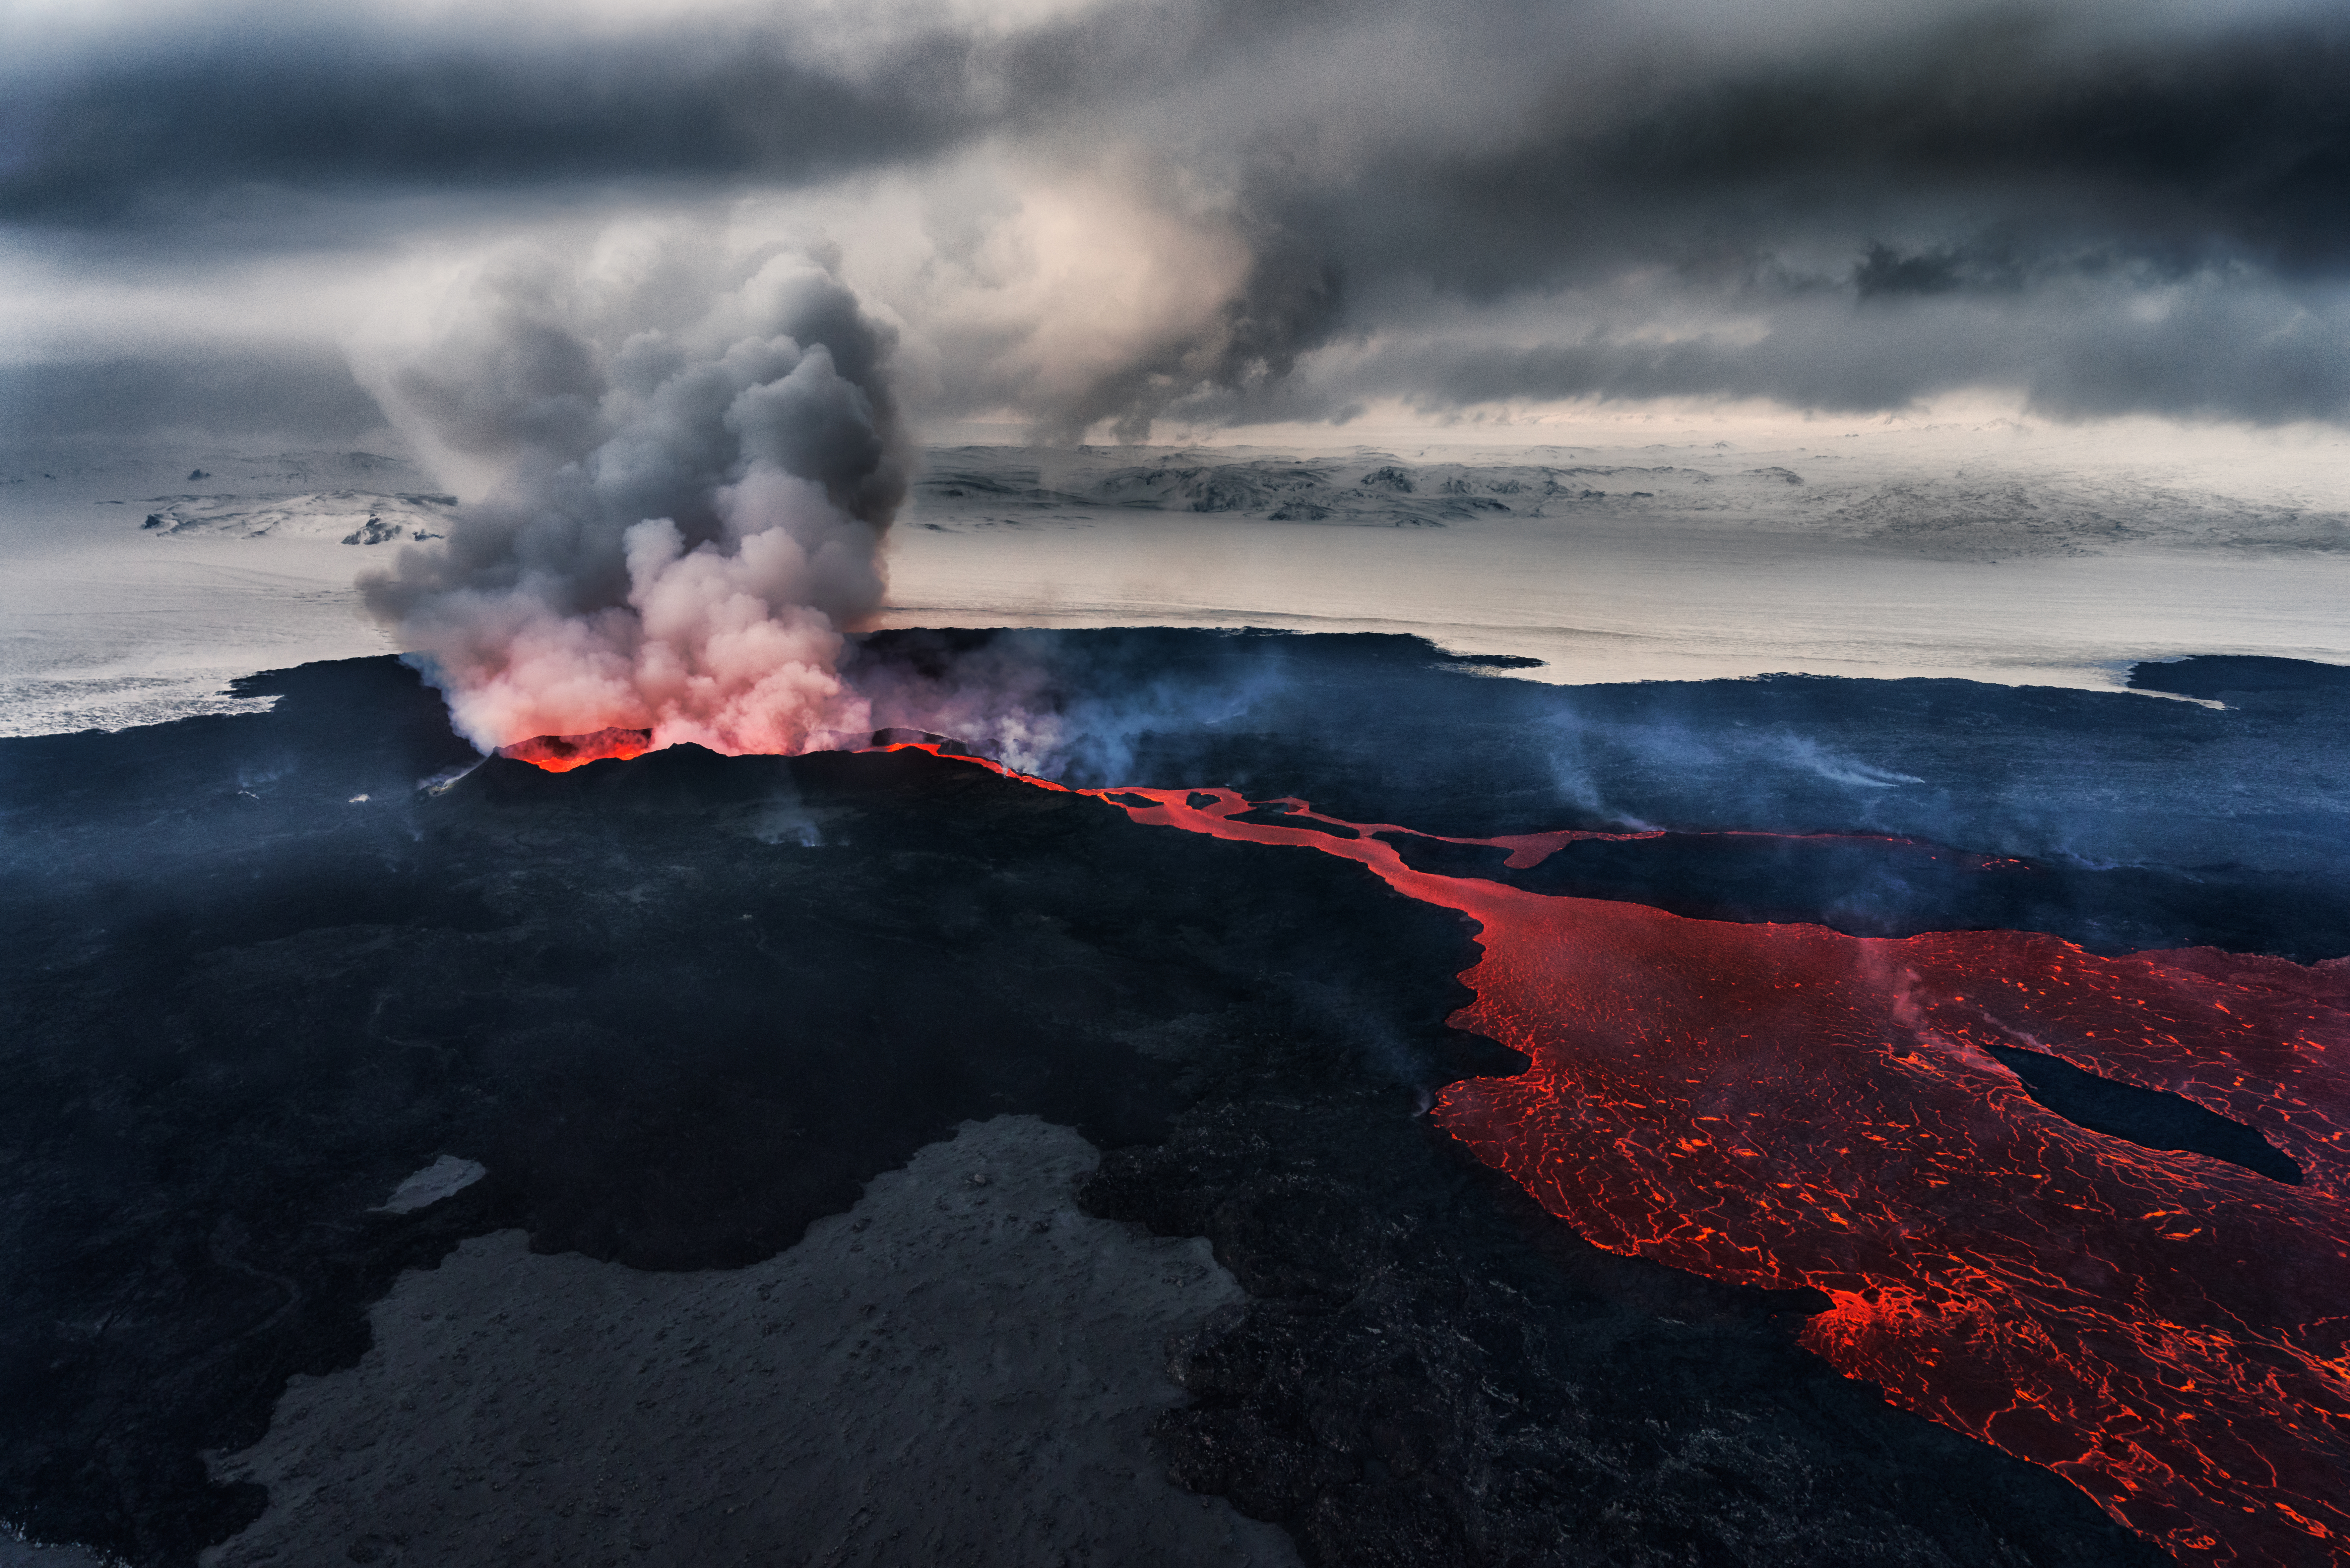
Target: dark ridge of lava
(1876, 886)
(2218, 677)
(2150, 1119)
(1280, 813)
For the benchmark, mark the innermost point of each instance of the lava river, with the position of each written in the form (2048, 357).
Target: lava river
(1783, 1106)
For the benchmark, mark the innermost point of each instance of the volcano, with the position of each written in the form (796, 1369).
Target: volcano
(1758, 1179)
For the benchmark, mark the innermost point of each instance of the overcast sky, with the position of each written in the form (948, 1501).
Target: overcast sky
(1157, 215)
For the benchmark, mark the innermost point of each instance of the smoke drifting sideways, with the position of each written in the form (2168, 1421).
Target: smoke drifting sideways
(678, 474)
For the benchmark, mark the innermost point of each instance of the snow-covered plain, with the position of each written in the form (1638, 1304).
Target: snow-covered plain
(106, 622)
(136, 586)
(1895, 555)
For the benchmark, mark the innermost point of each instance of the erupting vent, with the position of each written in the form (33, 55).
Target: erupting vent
(561, 753)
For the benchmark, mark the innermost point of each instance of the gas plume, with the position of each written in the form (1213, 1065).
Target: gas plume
(678, 475)
(1054, 707)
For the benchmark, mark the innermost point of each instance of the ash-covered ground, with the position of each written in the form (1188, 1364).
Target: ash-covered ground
(883, 1158)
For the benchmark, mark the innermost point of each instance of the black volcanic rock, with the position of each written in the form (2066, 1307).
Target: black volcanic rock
(2221, 677)
(1434, 1372)
(2147, 823)
(1875, 886)
(2147, 1118)
(678, 1007)
(262, 967)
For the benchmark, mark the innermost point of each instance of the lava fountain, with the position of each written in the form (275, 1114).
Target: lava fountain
(561, 753)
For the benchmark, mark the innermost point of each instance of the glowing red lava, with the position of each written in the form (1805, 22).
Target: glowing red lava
(561, 753)
(1784, 1106)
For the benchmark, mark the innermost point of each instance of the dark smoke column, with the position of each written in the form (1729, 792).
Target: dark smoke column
(680, 479)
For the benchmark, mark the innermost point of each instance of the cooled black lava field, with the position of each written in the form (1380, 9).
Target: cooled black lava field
(680, 1009)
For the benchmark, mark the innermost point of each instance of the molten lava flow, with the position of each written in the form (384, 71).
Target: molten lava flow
(561, 753)
(1783, 1106)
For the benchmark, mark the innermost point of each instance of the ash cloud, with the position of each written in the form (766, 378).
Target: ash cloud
(2073, 132)
(680, 472)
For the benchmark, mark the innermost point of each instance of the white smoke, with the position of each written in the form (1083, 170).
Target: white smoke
(678, 473)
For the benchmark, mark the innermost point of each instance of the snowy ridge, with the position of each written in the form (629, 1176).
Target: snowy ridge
(1912, 502)
(346, 516)
(1981, 513)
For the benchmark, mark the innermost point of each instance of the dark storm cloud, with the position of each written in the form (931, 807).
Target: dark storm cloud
(2065, 182)
(2212, 353)
(151, 123)
(161, 131)
(303, 396)
(2006, 134)
(1794, 205)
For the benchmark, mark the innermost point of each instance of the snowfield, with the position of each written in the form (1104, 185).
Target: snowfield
(346, 516)
(140, 583)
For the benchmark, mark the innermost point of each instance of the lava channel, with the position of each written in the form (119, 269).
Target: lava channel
(1784, 1106)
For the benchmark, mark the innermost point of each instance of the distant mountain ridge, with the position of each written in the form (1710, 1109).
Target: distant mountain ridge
(1981, 513)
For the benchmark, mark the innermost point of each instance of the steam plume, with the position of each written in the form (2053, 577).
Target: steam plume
(677, 481)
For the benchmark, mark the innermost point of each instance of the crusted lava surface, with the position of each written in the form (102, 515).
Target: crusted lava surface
(1432, 1371)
